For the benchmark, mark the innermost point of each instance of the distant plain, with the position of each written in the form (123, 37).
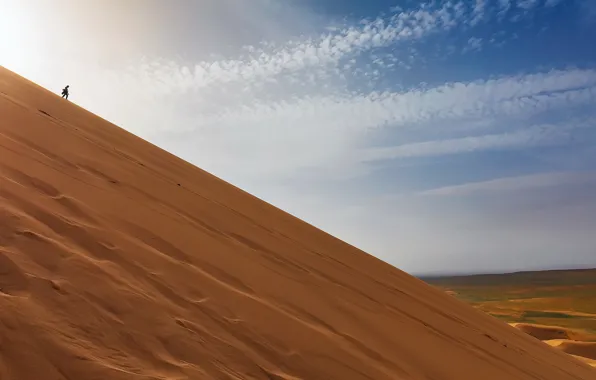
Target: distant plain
(557, 307)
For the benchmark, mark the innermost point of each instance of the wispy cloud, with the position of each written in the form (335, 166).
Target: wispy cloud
(334, 54)
(503, 96)
(518, 183)
(543, 135)
(314, 53)
(474, 44)
(504, 6)
(478, 13)
(328, 131)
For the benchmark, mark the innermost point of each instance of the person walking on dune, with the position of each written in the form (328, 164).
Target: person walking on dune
(65, 92)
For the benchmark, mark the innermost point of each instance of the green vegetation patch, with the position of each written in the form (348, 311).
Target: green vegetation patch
(546, 314)
(504, 317)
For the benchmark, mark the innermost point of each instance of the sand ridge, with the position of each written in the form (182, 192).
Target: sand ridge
(119, 260)
(583, 349)
(553, 333)
(566, 340)
(541, 332)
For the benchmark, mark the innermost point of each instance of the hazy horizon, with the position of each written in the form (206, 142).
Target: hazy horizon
(440, 136)
(466, 274)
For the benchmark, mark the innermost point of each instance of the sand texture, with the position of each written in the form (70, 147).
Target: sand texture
(120, 261)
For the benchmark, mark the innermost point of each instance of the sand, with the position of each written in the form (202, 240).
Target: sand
(584, 349)
(590, 362)
(120, 261)
(543, 332)
(554, 334)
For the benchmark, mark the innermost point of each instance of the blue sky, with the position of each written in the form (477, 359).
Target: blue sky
(441, 137)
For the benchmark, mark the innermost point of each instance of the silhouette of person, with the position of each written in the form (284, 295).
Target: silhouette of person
(65, 91)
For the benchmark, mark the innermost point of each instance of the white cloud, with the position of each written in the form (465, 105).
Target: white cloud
(315, 53)
(519, 183)
(348, 112)
(283, 137)
(474, 44)
(310, 59)
(478, 12)
(504, 6)
(526, 138)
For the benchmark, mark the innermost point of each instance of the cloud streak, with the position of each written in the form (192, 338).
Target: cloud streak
(503, 96)
(347, 119)
(527, 138)
(518, 183)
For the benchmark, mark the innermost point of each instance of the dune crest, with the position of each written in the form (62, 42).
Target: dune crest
(120, 261)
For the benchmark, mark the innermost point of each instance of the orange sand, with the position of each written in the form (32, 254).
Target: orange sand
(583, 349)
(546, 332)
(121, 261)
(553, 333)
(590, 362)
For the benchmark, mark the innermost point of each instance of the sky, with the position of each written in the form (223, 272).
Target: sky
(441, 137)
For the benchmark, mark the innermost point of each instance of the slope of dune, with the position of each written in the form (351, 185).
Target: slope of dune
(120, 261)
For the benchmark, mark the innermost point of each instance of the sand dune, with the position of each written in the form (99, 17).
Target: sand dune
(584, 349)
(120, 261)
(552, 333)
(547, 332)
